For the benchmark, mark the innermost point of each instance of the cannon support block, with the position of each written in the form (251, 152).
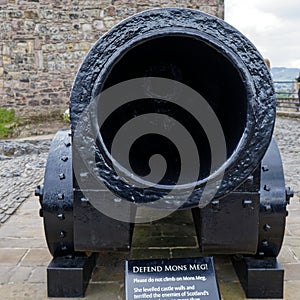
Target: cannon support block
(260, 278)
(69, 276)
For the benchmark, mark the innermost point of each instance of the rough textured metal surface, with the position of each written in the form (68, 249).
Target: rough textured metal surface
(57, 199)
(259, 214)
(272, 203)
(94, 231)
(229, 226)
(219, 35)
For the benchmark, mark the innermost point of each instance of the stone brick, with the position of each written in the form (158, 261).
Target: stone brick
(6, 50)
(29, 26)
(98, 24)
(205, 2)
(45, 102)
(86, 27)
(109, 22)
(6, 60)
(212, 10)
(69, 46)
(56, 101)
(110, 11)
(15, 14)
(74, 16)
(30, 14)
(39, 59)
(34, 103)
(51, 37)
(84, 46)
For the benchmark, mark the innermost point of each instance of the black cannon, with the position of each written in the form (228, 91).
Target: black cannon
(191, 82)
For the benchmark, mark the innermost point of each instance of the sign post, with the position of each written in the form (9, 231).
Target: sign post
(171, 279)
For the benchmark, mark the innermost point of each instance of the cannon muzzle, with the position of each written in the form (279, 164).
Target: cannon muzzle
(219, 90)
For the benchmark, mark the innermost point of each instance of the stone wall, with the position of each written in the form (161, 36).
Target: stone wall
(43, 42)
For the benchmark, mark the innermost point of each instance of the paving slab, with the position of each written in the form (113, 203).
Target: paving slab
(38, 257)
(11, 257)
(20, 274)
(24, 255)
(23, 275)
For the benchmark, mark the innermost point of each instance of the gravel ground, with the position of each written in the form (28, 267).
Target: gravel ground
(287, 135)
(22, 164)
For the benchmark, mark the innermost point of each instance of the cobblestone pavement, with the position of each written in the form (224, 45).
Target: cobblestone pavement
(22, 166)
(24, 255)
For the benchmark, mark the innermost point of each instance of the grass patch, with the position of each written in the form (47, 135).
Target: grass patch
(66, 116)
(8, 121)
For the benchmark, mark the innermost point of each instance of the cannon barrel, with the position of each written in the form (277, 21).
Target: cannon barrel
(171, 109)
(203, 53)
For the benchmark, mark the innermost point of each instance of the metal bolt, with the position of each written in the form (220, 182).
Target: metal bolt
(62, 234)
(64, 158)
(84, 202)
(265, 168)
(289, 193)
(62, 176)
(67, 144)
(268, 207)
(247, 202)
(38, 191)
(267, 188)
(250, 180)
(84, 174)
(267, 227)
(215, 204)
(117, 200)
(265, 243)
(61, 196)
(61, 216)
